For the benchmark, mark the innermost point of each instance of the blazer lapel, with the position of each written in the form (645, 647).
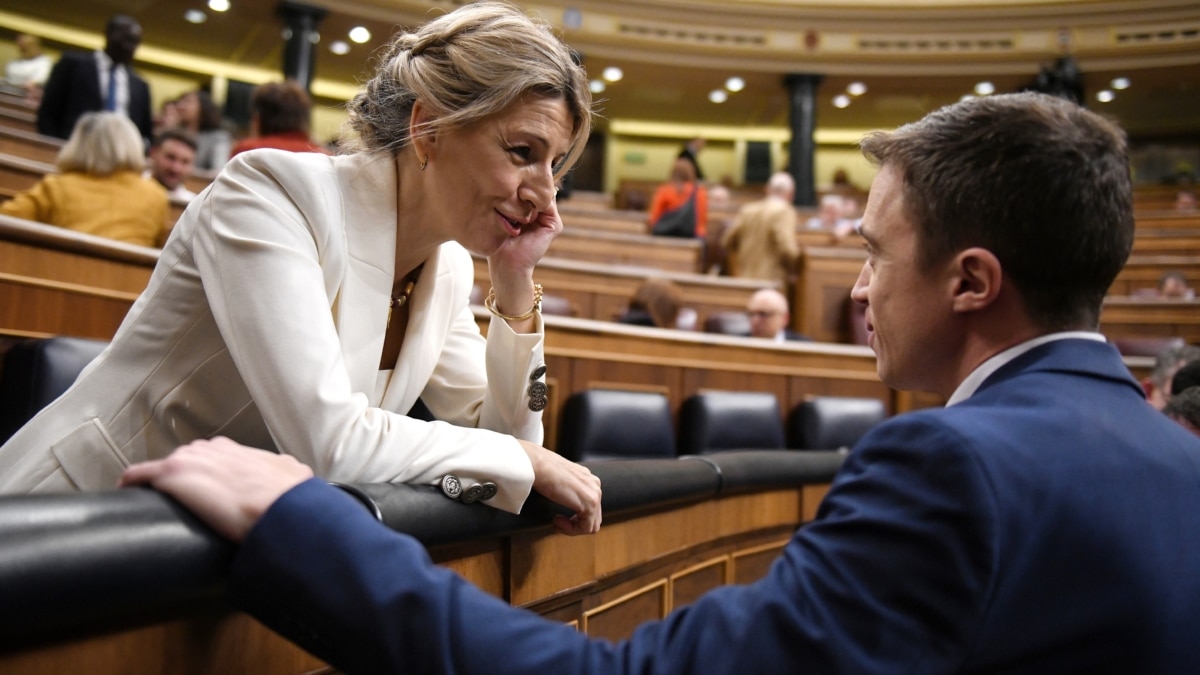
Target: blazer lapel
(429, 320)
(360, 309)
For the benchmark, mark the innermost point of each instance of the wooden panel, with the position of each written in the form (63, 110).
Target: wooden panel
(18, 174)
(617, 619)
(29, 145)
(753, 564)
(670, 254)
(819, 303)
(1143, 271)
(688, 585)
(1133, 317)
(53, 308)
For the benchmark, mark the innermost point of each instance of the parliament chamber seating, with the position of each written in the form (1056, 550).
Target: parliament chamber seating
(833, 422)
(612, 423)
(36, 372)
(1146, 346)
(714, 421)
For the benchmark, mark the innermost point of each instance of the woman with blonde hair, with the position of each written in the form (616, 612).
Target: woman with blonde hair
(307, 303)
(100, 189)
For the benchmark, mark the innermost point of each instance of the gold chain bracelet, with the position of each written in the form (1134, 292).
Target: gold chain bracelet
(490, 303)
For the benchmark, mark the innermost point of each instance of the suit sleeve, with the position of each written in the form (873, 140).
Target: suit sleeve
(892, 577)
(33, 204)
(261, 261)
(49, 114)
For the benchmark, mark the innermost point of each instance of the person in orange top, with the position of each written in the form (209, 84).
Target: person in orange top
(100, 189)
(281, 119)
(675, 193)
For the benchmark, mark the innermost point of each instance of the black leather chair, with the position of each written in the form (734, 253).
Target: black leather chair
(38, 371)
(714, 421)
(610, 423)
(833, 422)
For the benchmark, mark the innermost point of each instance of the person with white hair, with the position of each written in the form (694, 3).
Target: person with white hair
(761, 243)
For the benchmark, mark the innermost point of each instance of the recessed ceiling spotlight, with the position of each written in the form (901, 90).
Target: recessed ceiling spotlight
(841, 101)
(856, 89)
(597, 86)
(718, 96)
(360, 34)
(735, 84)
(1120, 83)
(1104, 96)
(613, 74)
(985, 88)
(339, 47)
(195, 16)
(218, 5)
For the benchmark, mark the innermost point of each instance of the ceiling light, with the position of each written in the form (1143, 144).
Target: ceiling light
(1120, 83)
(856, 89)
(195, 16)
(339, 47)
(841, 101)
(218, 5)
(360, 34)
(1104, 96)
(718, 96)
(735, 84)
(613, 74)
(985, 88)
(597, 86)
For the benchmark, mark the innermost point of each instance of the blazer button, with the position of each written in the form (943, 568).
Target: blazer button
(537, 404)
(537, 390)
(537, 373)
(471, 494)
(451, 486)
(488, 491)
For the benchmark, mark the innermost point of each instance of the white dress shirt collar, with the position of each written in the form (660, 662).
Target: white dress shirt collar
(972, 382)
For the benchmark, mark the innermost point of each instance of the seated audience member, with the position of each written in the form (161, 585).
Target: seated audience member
(1174, 285)
(719, 200)
(657, 302)
(679, 207)
(100, 189)
(1041, 522)
(1157, 385)
(691, 153)
(170, 161)
(281, 119)
(31, 68)
(762, 239)
(769, 316)
(309, 303)
(832, 217)
(199, 116)
(1184, 408)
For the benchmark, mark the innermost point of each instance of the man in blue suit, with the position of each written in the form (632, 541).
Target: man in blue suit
(1046, 521)
(101, 80)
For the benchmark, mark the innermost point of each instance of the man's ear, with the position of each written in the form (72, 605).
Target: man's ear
(978, 279)
(421, 131)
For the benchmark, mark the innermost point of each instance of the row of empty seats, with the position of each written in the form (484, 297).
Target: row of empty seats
(611, 423)
(595, 424)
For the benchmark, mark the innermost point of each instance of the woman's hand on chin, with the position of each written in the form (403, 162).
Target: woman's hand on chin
(517, 257)
(567, 484)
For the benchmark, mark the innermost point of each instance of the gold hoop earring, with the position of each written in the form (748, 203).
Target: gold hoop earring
(424, 162)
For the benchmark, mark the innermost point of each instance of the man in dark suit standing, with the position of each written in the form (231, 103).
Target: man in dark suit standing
(101, 80)
(1043, 522)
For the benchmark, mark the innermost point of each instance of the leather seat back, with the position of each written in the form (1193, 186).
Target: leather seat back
(611, 423)
(38, 371)
(730, 420)
(832, 422)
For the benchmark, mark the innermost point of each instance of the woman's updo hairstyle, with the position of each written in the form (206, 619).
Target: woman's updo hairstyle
(464, 67)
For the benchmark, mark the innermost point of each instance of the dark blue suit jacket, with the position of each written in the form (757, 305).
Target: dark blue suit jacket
(1049, 524)
(74, 89)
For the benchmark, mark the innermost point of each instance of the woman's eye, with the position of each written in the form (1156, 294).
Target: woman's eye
(521, 151)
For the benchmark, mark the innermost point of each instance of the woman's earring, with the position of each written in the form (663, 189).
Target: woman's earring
(424, 162)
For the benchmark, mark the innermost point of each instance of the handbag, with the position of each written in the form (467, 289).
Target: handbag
(680, 221)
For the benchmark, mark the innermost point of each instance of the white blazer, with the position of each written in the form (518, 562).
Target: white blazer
(264, 322)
